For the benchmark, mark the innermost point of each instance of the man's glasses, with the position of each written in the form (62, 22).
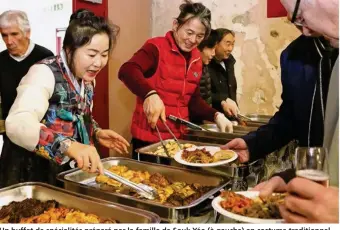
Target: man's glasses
(298, 21)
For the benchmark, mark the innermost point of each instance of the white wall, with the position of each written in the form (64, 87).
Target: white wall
(44, 15)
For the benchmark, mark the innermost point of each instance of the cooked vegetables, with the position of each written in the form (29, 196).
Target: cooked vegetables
(267, 208)
(205, 157)
(172, 148)
(36, 211)
(173, 193)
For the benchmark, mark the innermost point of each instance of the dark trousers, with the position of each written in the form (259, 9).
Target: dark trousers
(18, 165)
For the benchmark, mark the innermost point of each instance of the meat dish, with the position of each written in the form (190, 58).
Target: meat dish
(35, 211)
(267, 208)
(205, 157)
(172, 193)
(172, 148)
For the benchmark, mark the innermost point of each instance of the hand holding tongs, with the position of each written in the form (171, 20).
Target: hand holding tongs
(142, 189)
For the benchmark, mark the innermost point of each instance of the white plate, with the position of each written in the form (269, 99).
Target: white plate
(250, 194)
(211, 149)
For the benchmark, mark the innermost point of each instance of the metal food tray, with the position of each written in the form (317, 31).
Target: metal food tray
(227, 170)
(218, 135)
(256, 123)
(84, 183)
(101, 208)
(160, 159)
(236, 128)
(259, 118)
(208, 139)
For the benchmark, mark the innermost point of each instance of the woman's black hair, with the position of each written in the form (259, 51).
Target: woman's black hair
(83, 25)
(194, 10)
(209, 42)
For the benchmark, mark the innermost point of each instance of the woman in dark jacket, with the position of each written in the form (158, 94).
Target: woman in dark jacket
(207, 49)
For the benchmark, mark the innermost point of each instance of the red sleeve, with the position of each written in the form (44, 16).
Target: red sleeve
(142, 65)
(199, 108)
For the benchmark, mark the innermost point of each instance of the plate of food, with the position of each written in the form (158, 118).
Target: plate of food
(205, 156)
(248, 207)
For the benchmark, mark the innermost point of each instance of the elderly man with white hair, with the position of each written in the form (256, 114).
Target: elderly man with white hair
(308, 201)
(15, 61)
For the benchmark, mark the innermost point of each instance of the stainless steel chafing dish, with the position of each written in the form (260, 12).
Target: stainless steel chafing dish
(203, 137)
(84, 183)
(211, 130)
(259, 118)
(148, 150)
(101, 208)
(217, 137)
(237, 129)
(247, 174)
(213, 135)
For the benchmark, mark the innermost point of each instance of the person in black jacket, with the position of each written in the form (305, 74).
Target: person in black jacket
(221, 70)
(306, 66)
(306, 200)
(304, 94)
(207, 48)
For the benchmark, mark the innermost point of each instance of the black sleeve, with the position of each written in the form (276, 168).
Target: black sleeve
(48, 53)
(217, 98)
(280, 129)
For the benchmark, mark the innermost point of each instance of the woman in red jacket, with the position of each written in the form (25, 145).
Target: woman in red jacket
(165, 75)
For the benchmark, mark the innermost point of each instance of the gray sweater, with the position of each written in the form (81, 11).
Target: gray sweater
(331, 134)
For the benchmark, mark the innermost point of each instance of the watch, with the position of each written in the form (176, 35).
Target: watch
(64, 145)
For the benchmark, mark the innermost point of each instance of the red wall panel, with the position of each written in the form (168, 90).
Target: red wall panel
(275, 9)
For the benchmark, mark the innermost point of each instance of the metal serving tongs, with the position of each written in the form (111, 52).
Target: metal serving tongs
(187, 123)
(244, 117)
(142, 189)
(162, 142)
(172, 134)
